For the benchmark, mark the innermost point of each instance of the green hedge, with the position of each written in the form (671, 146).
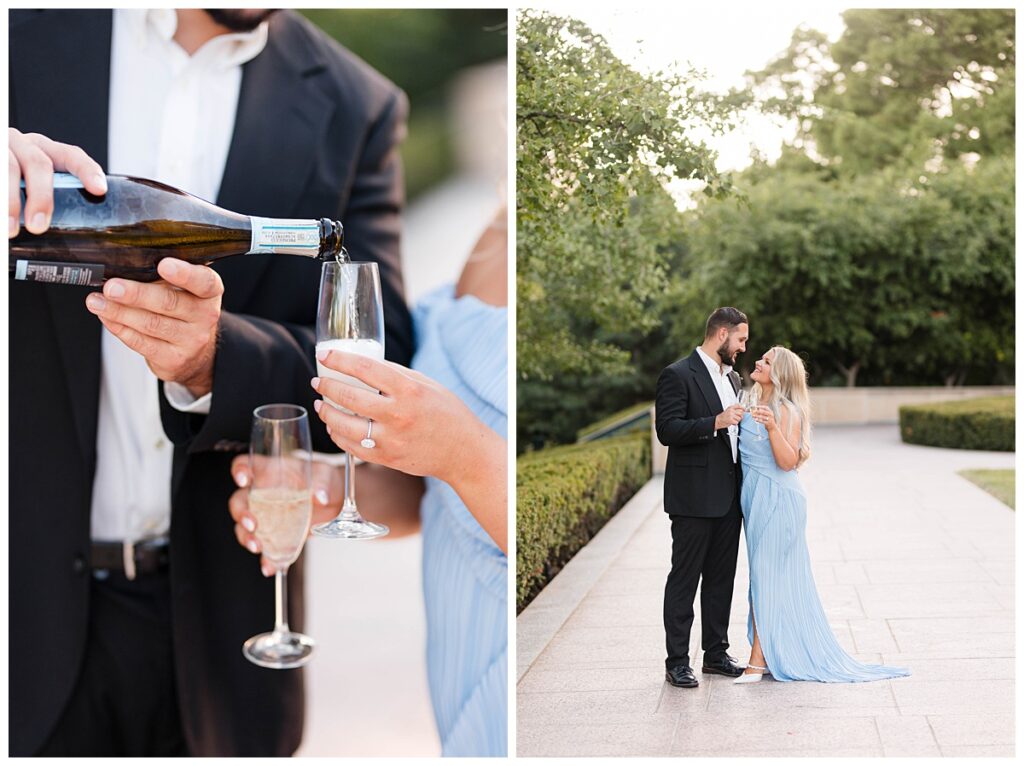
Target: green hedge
(982, 424)
(564, 495)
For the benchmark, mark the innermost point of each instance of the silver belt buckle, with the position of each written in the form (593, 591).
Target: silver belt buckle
(128, 553)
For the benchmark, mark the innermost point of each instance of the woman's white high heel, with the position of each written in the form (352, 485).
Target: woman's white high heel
(751, 678)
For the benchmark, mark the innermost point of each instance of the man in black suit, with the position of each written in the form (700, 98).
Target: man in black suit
(141, 654)
(696, 417)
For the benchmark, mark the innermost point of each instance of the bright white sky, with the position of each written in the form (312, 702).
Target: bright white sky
(723, 39)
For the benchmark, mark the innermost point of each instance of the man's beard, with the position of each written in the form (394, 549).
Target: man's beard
(240, 19)
(723, 354)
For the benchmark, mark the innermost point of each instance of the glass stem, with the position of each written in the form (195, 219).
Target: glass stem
(348, 510)
(281, 601)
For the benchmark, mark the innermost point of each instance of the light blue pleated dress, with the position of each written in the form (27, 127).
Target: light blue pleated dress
(795, 636)
(461, 343)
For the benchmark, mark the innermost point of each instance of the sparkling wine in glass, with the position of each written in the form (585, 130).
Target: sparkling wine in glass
(748, 400)
(280, 499)
(350, 317)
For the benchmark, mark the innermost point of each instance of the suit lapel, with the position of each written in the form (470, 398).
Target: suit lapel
(280, 125)
(705, 384)
(68, 66)
(734, 379)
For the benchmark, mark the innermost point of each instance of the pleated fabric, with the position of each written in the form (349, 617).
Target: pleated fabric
(795, 636)
(462, 344)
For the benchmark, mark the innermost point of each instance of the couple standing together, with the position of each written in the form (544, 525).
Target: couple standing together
(728, 467)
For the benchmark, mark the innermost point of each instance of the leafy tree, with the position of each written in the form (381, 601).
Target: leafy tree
(871, 280)
(900, 86)
(595, 141)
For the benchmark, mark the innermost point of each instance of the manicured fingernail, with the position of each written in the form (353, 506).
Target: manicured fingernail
(317, 405)
(322, 354)
(321, 496)
(96, 302)
(115, 289)
(12, 224)
(39, 221)
(328, 430)
(242, 479)
(100, 181)
(248, 523)
(265, 568)
(315, 383)
(251, 545)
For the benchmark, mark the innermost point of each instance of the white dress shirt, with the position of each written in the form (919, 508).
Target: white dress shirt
(171, 119)
(720, 377)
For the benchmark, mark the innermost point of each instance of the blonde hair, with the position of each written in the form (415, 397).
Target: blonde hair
(789, 388)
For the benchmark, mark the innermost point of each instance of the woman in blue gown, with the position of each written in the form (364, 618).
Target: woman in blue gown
(444, 420)
(787, 627)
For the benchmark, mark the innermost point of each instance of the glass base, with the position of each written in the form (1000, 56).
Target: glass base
(350, 529)
(279, 651)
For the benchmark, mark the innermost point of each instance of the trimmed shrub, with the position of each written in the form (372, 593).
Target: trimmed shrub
(564, 495)
(982, 424)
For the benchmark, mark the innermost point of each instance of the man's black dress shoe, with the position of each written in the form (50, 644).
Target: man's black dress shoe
(724, 666)
(681, 675)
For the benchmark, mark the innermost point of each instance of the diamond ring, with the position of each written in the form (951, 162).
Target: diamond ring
(368, 442)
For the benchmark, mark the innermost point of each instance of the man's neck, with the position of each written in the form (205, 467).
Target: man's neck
(196, 28)
(713, 353)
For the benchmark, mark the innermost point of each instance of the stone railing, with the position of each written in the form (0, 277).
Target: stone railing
(861, 406)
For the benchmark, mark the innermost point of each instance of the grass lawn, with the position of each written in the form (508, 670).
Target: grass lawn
(998, 483)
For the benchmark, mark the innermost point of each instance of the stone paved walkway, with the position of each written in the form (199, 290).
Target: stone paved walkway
(914, 565)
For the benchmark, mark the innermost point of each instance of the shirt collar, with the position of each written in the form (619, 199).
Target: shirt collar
(237, 48)
(160, 22)
(224, 51)
(713, 367)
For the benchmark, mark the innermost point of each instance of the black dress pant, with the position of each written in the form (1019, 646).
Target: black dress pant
(125, 700)
(703, 551)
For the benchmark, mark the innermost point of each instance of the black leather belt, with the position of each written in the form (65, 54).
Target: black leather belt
(145, 557)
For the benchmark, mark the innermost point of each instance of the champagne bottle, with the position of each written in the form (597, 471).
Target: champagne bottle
(127, 231)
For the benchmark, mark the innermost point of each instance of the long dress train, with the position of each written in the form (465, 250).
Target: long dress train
(795, 636)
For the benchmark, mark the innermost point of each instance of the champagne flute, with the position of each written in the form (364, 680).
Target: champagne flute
(748, 400)
(350, 317)
(280, 461)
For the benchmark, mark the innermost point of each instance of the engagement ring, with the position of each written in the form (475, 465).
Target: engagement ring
(368, 442)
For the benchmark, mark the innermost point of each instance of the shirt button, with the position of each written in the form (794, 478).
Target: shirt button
(78, 565)
(160, 444)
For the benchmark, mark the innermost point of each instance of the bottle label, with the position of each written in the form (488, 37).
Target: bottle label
(292, 236)
(86, 274)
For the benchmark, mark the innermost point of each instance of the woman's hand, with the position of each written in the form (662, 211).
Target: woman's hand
(328, 495)
(765, 417)
(419, 426)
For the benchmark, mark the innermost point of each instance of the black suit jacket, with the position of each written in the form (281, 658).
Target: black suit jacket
(700, 478)
(316, 135)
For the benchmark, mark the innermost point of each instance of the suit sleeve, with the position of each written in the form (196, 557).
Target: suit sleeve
(673, 427)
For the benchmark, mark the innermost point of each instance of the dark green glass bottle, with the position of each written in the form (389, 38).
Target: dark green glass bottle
(126, 232)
